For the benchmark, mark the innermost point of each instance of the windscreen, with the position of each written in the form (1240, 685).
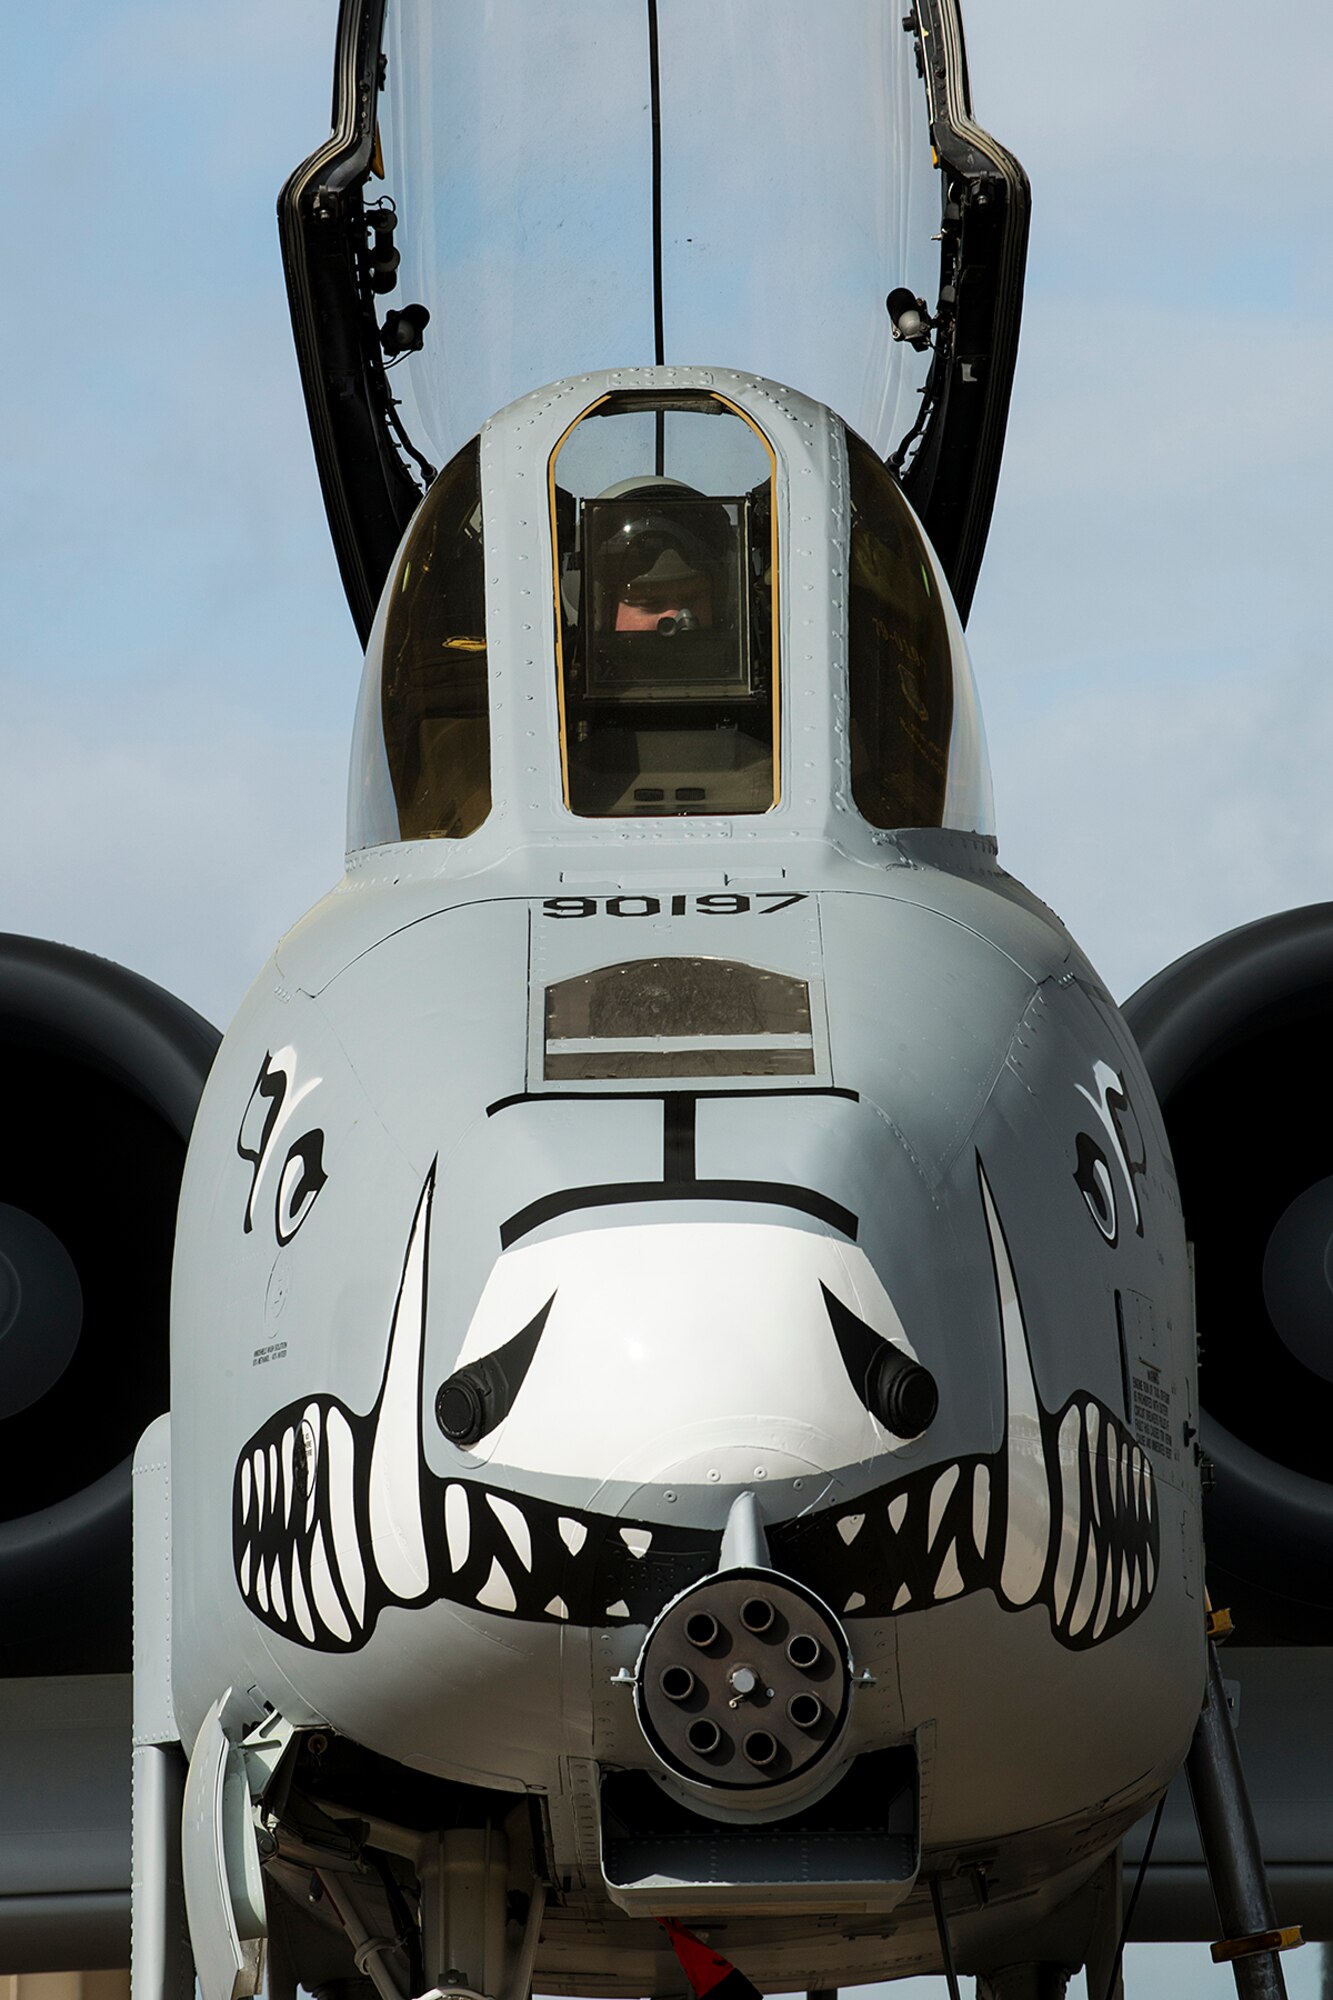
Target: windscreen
(612, 185)
(663, 532)
(899, 656)
(433, 682)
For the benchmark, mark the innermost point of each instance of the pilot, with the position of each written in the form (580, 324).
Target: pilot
(671, 593)
(663, 567)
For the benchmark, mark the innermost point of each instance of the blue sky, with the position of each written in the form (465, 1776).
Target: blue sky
(1151, 629)
(178, 670)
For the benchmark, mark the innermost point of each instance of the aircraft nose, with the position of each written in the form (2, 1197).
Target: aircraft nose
(714, 1457)
(739, 1462)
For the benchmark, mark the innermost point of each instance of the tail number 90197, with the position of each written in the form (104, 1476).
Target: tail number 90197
(721, 904)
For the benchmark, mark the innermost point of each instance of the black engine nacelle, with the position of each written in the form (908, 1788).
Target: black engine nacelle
(1238, 1041)
(102, 1072)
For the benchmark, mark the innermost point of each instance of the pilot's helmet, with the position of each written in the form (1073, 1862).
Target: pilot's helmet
(661, 558)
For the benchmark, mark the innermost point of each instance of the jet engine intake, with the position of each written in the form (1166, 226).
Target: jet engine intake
(743, 1683)
(1235, 1036)
(102, 1074)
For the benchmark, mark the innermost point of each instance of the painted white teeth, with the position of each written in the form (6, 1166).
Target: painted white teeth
(300, 1604)
(261, 1475)
(1085, 1598)
(1070, 1460)
(1103, 1602)
(340, 1446)
(557, 1608)
(273, 1477)
(981, 1508)
(245, 1570)
(261, 1585)
(457, 1525)
(310, 1432)
(637, 1540)
(573, 1534)
(950, 1579)
(618, 1610)
(512, 1520)
(1097, 1541)
(940, 1496)
(275, 1590)
(497, 1593)
(245, 1491)
(327, 1602)
(288, 1457)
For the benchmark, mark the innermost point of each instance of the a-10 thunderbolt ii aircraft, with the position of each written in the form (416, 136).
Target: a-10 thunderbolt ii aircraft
(683, 1357)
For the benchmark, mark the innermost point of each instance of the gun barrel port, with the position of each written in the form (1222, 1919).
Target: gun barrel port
(701, 1629)
(743, 1684)
(760, 1747)
(677, 1683)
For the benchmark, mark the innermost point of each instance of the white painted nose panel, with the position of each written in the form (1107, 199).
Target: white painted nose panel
(695, 1349)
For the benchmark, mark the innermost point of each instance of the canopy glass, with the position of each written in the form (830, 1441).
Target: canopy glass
(796, 190)
(515, 195)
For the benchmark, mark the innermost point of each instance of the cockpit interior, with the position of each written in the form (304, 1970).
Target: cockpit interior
(666, 597)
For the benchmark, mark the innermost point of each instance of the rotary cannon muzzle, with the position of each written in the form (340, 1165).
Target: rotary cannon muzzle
(743, 1683)
(701, 1629)
(677, 1683)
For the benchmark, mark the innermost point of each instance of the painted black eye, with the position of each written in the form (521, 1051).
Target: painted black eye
(897, 1390)
(476, 1398)
(301, 1179)
(1092, 1177)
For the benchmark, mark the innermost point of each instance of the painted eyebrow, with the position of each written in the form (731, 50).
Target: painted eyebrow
(477, 1397)
(896, 1390)
(771, 1194)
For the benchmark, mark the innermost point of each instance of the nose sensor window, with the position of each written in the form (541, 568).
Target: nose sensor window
(665, 557)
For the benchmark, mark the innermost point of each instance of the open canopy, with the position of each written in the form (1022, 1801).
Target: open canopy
(516, 195)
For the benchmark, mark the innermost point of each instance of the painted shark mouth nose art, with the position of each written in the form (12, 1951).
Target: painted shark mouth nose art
(336, 1515)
